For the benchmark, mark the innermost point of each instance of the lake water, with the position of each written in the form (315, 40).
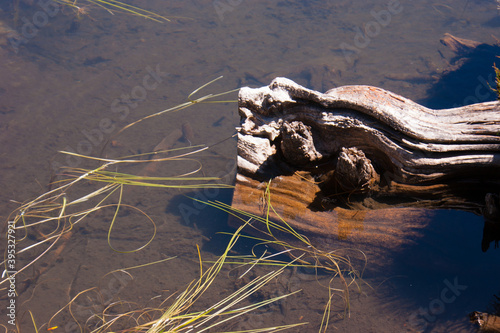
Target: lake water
(74, 81)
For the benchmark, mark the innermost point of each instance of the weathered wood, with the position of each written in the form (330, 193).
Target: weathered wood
(297, 199)
(405, 142)
(362, 151)
(486, 322)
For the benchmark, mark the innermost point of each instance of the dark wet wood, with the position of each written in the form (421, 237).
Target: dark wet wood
(297, 200)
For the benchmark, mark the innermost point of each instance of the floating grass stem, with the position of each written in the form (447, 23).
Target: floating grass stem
(110, 6)
(177, 317)
(497, 80)
(303, 255)
(58, 208)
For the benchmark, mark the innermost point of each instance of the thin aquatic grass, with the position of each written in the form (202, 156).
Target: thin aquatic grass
(102, 317)
(61, 228)
(190, 102)
(177, 317)
(310, 256)
(119, 178)
(110, 6)
(278, 227)
(54, 208)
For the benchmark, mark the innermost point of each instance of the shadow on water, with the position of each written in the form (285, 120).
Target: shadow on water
(493, 22)
(211, 222)
(471, 80)
(444, 272)
(452, 268)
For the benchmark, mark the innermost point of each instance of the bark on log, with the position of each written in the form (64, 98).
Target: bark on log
(362, 149)
(406, 143)
(486, 322)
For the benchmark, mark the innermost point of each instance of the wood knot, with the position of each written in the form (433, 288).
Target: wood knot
(354, 171)
(297, 144)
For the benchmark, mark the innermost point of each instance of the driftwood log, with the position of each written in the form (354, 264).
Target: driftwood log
(359, 163)
(487, 322)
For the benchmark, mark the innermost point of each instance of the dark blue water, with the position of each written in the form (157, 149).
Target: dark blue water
(445, 273)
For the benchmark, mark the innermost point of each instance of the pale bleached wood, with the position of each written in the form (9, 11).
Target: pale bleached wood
(362, 165)
(407, 141)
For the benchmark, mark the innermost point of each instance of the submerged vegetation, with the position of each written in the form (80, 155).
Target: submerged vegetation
(82, 7)
(56, 211)
(305, 255)
(44, 225)
(177, 316)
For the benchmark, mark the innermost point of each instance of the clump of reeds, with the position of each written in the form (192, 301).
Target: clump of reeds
(178, 317)
(305, 255)
(58, 210)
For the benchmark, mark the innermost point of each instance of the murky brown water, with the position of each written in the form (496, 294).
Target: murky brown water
(71, 84)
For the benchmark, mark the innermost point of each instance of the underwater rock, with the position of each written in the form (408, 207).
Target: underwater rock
(470, 77)
(459, 45)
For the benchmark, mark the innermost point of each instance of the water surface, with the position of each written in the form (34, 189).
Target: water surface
(73, 83)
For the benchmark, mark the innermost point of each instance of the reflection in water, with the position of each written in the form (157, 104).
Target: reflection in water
(491, 212)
